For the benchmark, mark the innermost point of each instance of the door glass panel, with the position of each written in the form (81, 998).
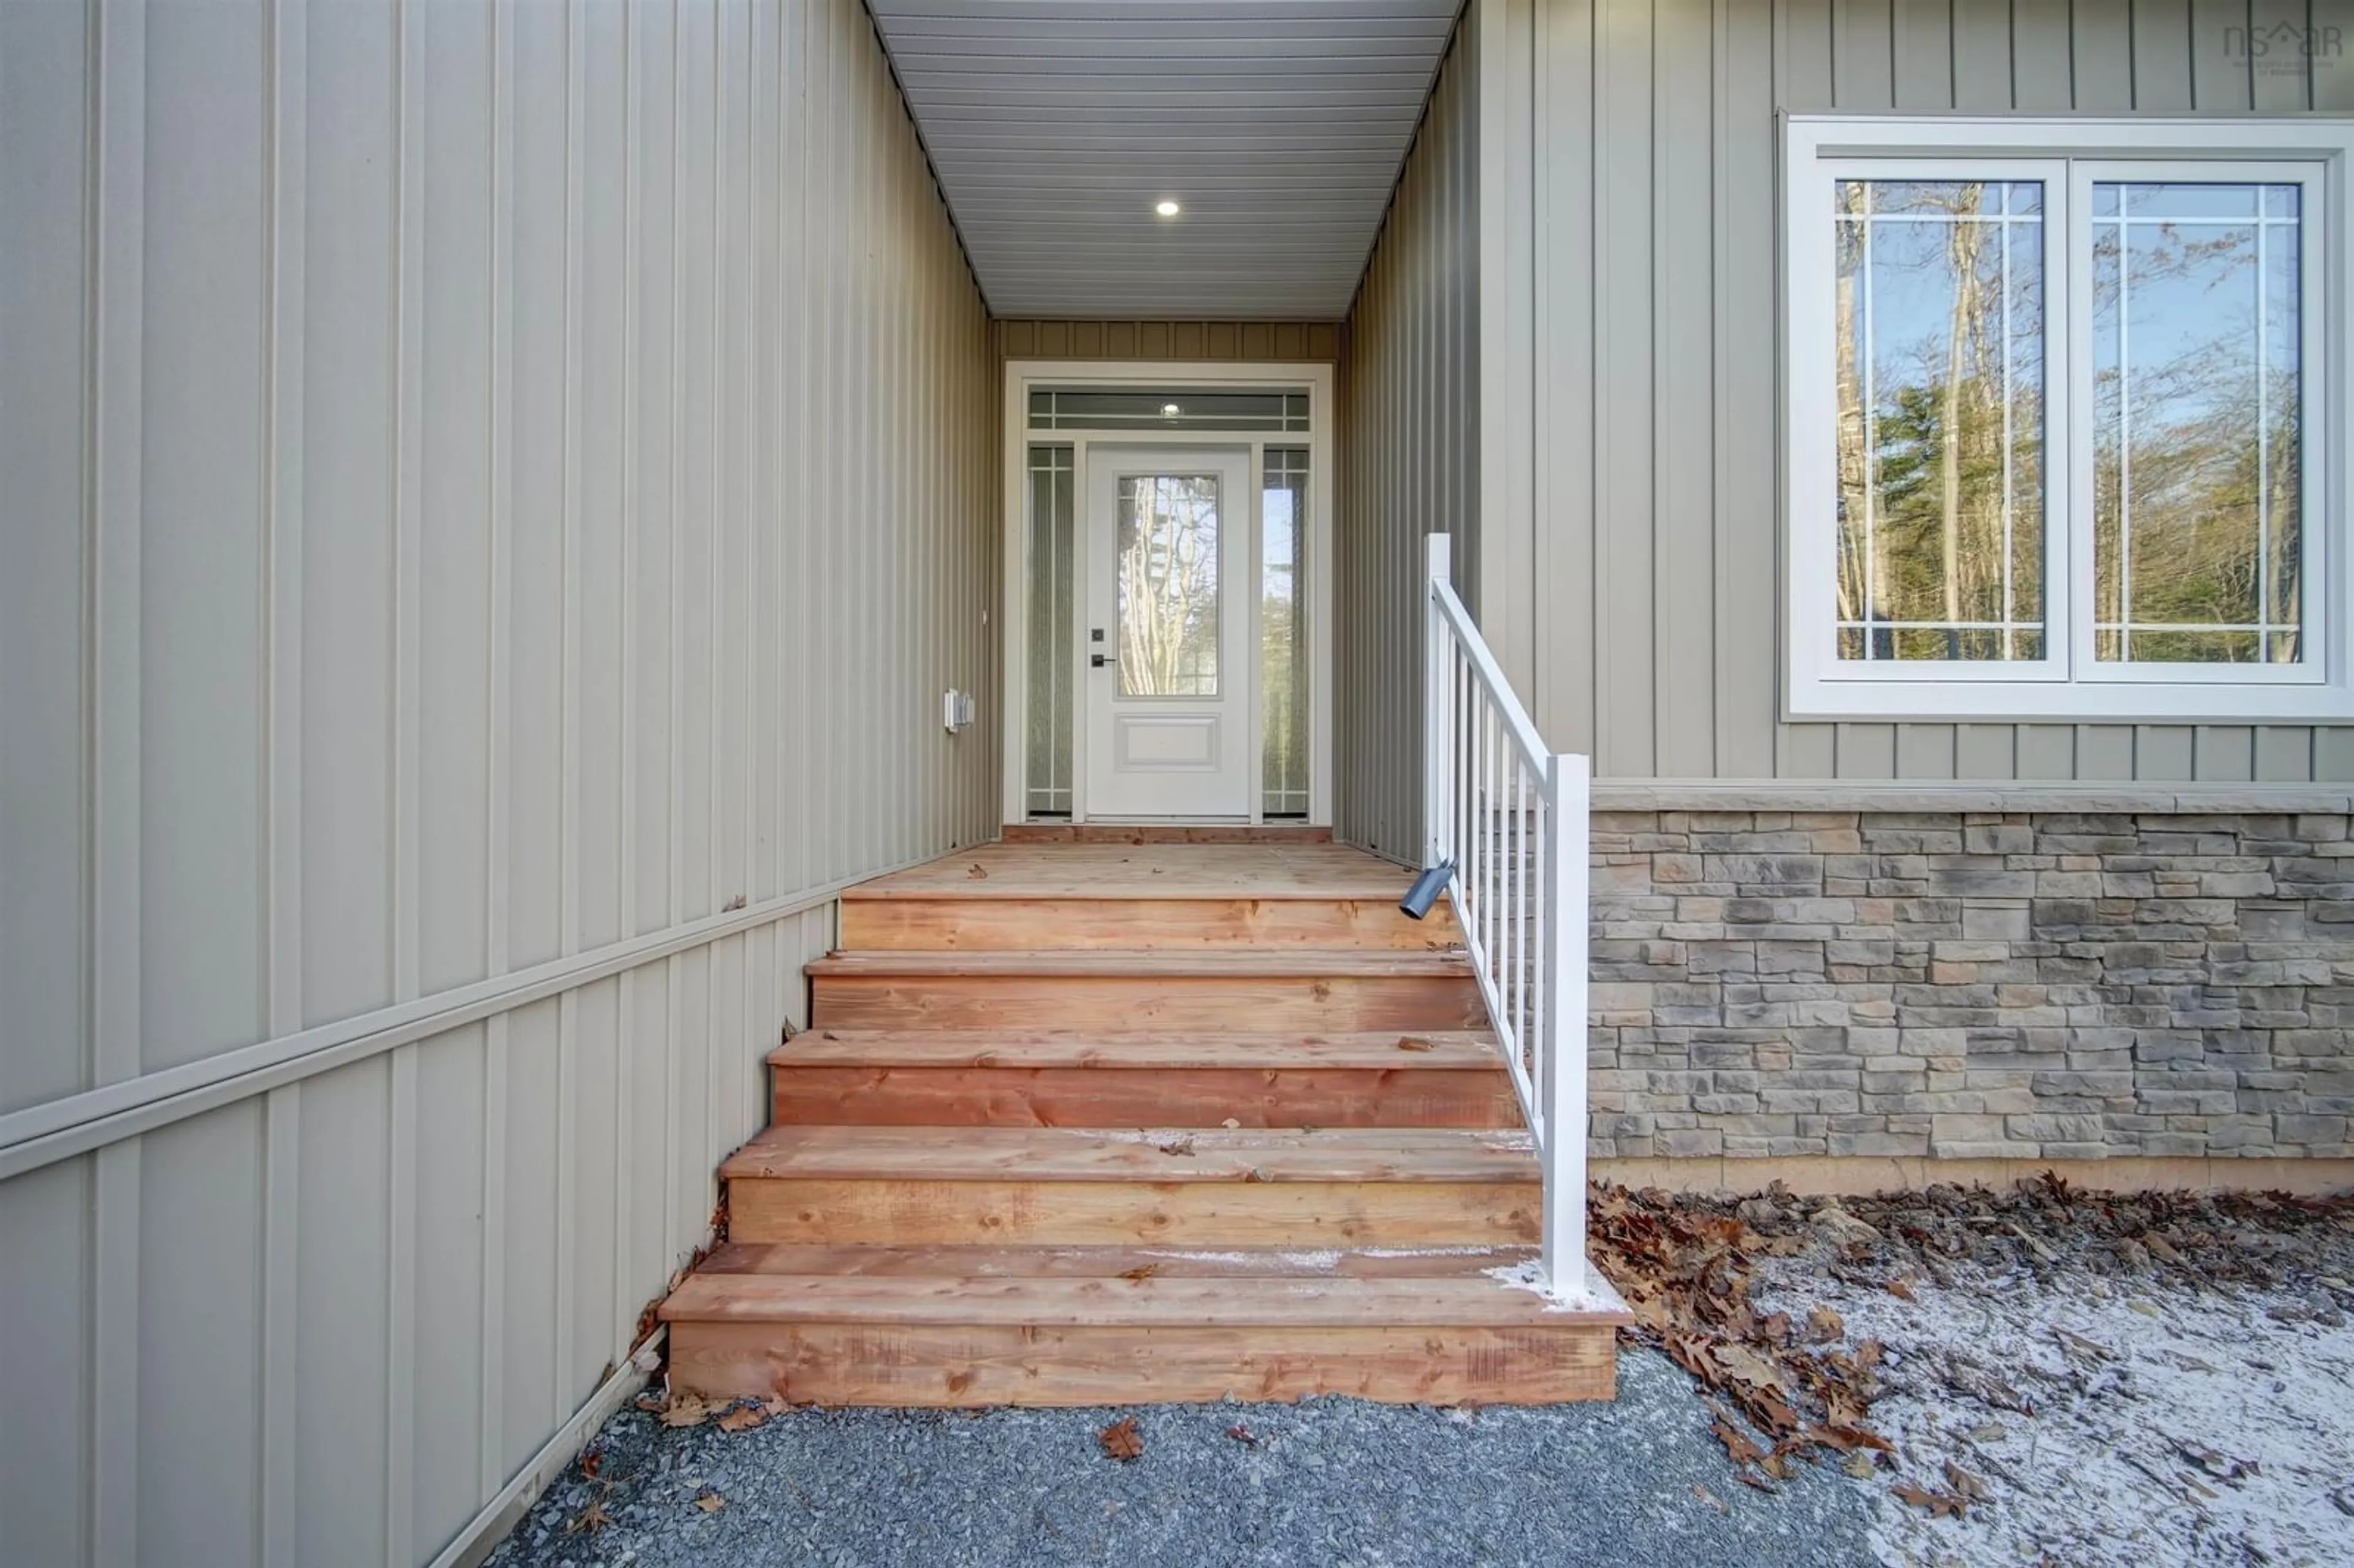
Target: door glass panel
(1283, 632)
(2198, 511)
(1167, 586)
(1165, 409)
(1053, 515)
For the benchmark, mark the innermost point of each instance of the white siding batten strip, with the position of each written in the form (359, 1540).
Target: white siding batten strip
(497, 870)
(276, 1335)
(111, 1526)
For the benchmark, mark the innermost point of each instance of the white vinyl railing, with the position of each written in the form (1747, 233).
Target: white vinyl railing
(1509, 817)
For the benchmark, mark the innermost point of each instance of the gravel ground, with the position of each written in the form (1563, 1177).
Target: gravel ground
(2106, 1425)
(1640, 1482)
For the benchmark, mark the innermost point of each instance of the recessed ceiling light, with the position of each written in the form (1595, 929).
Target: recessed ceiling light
(1167, 208)
(1170, 411)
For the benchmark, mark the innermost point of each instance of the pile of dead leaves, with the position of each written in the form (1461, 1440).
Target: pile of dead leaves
(679, 1407)
(1685, 1273)
(2050, 1228)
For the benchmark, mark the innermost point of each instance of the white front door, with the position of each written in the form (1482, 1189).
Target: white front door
(1165, 644)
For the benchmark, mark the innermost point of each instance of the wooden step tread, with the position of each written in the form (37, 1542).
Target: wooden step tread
(1164, 833)
(1470, 1298)
(1154, 963)
(1258, 869)
(1380, 1050)
(1173, 1156)
(986, 1262)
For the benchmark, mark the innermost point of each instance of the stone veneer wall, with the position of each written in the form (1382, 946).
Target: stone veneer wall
(2067, 983)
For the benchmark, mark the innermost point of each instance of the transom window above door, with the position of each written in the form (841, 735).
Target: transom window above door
(2060, 422)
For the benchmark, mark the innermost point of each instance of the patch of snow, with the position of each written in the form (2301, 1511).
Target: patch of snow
(2168, 1425)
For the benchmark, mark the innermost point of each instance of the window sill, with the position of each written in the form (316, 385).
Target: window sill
(2015, 702)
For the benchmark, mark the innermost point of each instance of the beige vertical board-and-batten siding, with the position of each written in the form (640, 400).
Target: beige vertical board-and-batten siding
(1214, 342)
(494, 494)
(1635, 597)
(1409, 457)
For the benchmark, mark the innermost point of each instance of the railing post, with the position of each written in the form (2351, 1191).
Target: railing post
(1568, 792)
(1438, 705)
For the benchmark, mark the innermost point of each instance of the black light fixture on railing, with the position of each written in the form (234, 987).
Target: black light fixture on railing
(1426, 889)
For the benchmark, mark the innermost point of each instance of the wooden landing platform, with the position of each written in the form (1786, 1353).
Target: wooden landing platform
(1087, 1118)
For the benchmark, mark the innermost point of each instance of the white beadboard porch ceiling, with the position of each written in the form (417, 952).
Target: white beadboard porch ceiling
(1054, 125)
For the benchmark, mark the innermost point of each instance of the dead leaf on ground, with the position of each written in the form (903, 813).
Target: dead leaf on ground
(1409, 1042)
(1740, 1361)
(1902, 1288)
(589, 1520)
(1121, 1440)
(743, 1418)
(1242, 1433)
(1824, 1326)
(710, 1501)
(1737, 1444)
(591, 1462)
(686, 1410)
(1966, 1486)
(1859, 1465)
(1709, 1498)
(1965, 1376)
(1941, 1505)
(1141, 1272)
(2082, 1346)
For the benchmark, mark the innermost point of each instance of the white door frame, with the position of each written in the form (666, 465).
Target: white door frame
(1316, 380)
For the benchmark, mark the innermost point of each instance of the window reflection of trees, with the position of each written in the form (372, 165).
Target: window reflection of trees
(2196, 537)
(1168, 586)
(1940, 322)
(2196, 508)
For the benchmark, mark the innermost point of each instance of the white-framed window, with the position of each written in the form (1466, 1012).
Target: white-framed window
(2066, 418)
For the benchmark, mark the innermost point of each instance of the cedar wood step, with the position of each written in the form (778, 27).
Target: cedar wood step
(1254, 1156)
(1214, 1187)
(980, 1078)
(1319, 989)
(1446, 1334)
(1164, 833)
(1107, 1262)
(977, 921)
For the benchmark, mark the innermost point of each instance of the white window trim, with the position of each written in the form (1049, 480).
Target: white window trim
(2067, 155)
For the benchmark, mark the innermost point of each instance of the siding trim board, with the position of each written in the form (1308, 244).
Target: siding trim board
(1788, 794)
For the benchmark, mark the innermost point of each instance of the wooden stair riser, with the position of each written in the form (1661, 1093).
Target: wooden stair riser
(1253, 1004)
(1002, 924)
(995, 1363)
(1268, 834)
(1141, 1096)
(1297, 1215)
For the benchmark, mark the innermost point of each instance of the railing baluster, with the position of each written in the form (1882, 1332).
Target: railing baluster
(1542, 1074)
(1523, 1024)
